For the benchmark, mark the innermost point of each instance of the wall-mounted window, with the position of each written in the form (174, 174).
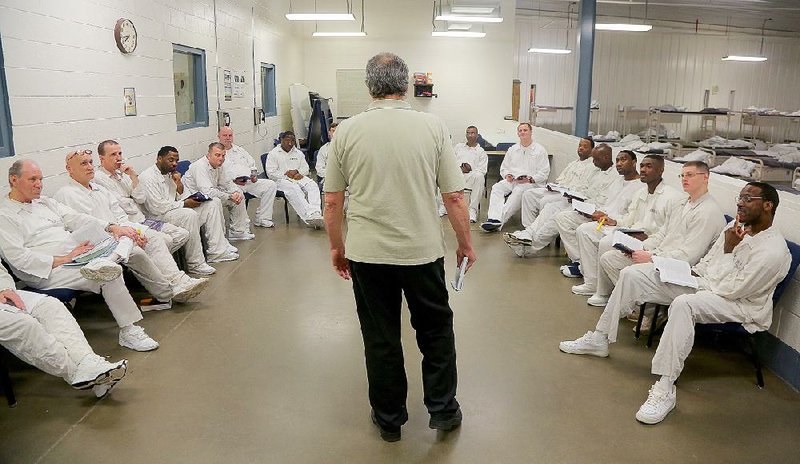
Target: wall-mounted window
(6, 144)
(268, 98)
(191, 96)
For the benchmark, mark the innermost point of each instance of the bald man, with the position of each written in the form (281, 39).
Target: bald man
(240, 168)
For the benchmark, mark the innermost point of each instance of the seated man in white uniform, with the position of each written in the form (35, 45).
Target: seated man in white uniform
(40, 330)
(122, 181)
(735, 283)
(152, 265)
(287, 166)
(165, 200)
(686, 235)
(576, 176)
(36, 242)
(602, 186)
(207, 176)
(474, 163)
(238, 165)
(322, 155)
(524, 167)
(649, 209)
(617, 206)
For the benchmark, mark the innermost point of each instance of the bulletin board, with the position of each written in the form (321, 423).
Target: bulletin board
(352, 96)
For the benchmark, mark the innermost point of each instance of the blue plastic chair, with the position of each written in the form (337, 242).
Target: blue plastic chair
(280, 193)
(183, 166)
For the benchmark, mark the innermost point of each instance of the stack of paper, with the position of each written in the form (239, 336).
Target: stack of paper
(557, 187)
(575, 195)
(584, 207)
(675, 271)
(104, 248)
(620, 238)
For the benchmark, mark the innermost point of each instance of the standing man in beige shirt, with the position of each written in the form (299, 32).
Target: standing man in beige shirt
(392, 159)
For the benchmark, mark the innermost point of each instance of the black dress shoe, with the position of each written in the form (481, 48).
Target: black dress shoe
(387, 434)
(447, 422)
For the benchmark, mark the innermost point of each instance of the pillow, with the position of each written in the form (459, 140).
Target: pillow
(736, 167)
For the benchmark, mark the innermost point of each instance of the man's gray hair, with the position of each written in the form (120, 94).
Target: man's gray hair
(16, 168)
(387, 74)
(215, 145)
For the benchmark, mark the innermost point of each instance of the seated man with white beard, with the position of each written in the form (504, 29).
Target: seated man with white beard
(36, 241)
(152, 265)
(41, 331)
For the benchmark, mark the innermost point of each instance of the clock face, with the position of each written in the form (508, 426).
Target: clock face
(125, 35)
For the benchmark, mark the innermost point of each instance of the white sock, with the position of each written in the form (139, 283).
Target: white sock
(664, 384)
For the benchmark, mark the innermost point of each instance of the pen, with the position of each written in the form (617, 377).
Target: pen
(600, 224)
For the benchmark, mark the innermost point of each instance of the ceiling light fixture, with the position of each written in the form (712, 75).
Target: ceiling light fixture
(469, 19)
(339, 34)
(743, 58)
(458, 34)
(465, 9)
(623, 27)
(550, 51)
(320, 17)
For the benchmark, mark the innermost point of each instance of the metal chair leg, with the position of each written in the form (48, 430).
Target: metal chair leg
(5, 380)
(639, 321)
(756, 360)
(656, 310)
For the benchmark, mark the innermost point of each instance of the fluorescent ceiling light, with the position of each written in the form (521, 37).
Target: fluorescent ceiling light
(469, 19)
(459, 27)
(464, 9)
(623, 27)
(339, 34)
(320, 17)
(457, 34)
(743, 58)
(552, 51)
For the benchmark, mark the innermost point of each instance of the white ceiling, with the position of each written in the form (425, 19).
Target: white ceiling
(784, 14)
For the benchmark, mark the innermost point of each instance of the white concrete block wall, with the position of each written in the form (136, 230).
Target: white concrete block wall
(786, 318)
(66, 77)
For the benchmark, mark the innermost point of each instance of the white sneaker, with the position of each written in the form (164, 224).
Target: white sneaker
(583, 289)
(442, 211)
(133, 337)
(101, 270)
(227, 256)
(189, 289)
(658, 405)
(202, 269)
(237, 236)
(101, 391)
(588, 344)
(268, 224)
(232, 249)
(473, 217)
(314, 222)
(152, 304)
(94, 370)
(597, 300)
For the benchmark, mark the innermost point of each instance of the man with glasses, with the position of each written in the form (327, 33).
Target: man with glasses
(151, 260)
(474, 162)
(735, 283)
(37, 243)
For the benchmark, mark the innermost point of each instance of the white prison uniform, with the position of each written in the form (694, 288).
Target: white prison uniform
(690, 231)
(32, 234)
(646, 211)
(211, 181)
(238, 163)
(278, 162)
(569, 222)
(603, 185)
(44, 335)
(474, 180)
(733, 287)
(162, 202)
(322, 160)
(154, 266)
(533, 200)
(519, 161)
(128, 197)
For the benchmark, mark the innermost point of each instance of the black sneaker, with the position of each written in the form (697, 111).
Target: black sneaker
(386, 433)
(491, 225)
(446, 423)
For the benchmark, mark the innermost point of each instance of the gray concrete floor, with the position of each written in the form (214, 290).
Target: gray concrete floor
(267, 367)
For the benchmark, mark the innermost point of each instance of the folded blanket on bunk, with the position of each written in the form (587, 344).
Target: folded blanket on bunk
(655, 147)
(721, 142)
(697, 155)
(736, 167)
(612, 136)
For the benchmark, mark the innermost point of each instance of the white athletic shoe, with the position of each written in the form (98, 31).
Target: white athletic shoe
(133, 337)
(94, 370)
(658, 405)
(189, 289)
(268, 224)
(227, 256)
(587, 344)
(442, 211)
(583, 289)
(237, 236)
(314, 222)
(101, 270)
(473, 218)
(202, 269)
(597, 300)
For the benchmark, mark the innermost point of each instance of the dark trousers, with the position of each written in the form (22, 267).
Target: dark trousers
(378, 291)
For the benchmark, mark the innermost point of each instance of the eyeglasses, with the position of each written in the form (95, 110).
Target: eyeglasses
(747, 198)
(73, 154)
(689, 175)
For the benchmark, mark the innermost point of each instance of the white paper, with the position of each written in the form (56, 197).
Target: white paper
(458, 282)
(627, 240)
(557, 187)
(575, 195)
(584, 207)
(675, 271)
